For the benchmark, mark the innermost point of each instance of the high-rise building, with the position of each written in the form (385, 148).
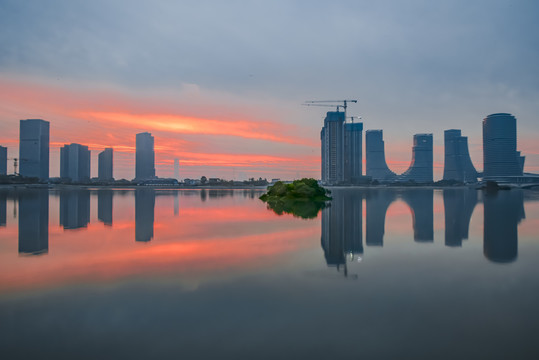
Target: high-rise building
(3, 160)
(500, 155)
(104, 172)
(377, 167)
(353, 152)
(457, 163)
(420, 169)
(145, 157)
(34, 148)
(177, 169)
(75, 162)
(332, 138)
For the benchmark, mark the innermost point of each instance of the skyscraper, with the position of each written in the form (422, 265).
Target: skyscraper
(500, 155)
(420, 169)
(75, 162)
(3, 160)
(145, 157)
(105, 165)
(377, 167)
(457, 163)
(353, 152)
(34, 148)
(332, 138)
(177, 169)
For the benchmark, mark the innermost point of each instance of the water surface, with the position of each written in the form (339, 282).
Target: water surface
(386, 273)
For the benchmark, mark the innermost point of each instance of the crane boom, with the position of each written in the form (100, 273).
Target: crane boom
(327, 103)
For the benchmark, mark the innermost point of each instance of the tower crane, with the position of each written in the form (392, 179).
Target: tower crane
(15, 164)
(328, 103)
(354, 117)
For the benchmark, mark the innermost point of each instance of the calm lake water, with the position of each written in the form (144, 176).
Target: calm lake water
(215, 274)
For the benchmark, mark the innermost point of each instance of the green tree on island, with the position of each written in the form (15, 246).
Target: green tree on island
(302, 198)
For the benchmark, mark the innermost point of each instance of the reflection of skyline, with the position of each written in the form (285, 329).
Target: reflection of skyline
(503, 212)
(74, 209)
(459, 205)
(144, 214)
(104, 206)
(420, 202)
(34, 222)
(341, 222)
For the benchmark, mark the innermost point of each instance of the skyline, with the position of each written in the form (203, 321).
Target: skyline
(221, 89)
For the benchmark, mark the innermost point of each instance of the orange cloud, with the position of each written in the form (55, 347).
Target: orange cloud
(189, 125)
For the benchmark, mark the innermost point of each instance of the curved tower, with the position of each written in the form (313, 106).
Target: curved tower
(375, 156)
(500, 156)
(420, 169)
(457, 163)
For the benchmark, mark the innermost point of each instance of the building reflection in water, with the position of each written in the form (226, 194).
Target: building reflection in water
(503, 212)
(203, 194)
(421, 203)
(342, 220)
(176, 204)
(3, 207)
(74, 209)
(459, 205)
(342, 229)
(34, 222)
(104, 206)
(144, 214)
(377, 202)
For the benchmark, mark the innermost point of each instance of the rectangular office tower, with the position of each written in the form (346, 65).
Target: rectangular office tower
(3, 160)
(75, 163)
(34, 148)
(104, 172)
(353, 150)
(332, 138)
(145, 157)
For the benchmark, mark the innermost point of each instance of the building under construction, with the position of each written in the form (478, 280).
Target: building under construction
(342, 150)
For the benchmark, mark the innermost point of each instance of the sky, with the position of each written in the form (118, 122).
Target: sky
(220, 84)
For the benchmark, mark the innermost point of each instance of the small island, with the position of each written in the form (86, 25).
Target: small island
(302, 198)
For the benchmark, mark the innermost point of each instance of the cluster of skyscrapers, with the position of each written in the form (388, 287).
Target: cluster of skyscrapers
(75, 159)
(342, 154)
